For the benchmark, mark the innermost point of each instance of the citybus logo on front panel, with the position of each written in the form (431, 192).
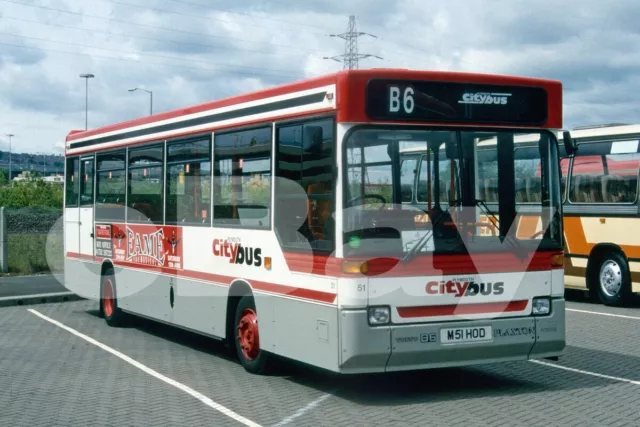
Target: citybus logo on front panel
(464, 289)
(485, 98)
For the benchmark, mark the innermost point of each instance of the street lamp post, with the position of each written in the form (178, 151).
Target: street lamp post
(150, 97)
(10, 135)
(86, 102)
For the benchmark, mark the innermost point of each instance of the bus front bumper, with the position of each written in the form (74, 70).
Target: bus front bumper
(419, 346)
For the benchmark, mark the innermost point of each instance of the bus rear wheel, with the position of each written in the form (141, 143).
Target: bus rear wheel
(613, 280)
(108, 300)
(247, 337)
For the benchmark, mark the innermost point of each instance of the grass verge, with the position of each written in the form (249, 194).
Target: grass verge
(31, 253)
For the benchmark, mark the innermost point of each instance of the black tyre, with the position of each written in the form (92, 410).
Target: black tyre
(109, 301)
(611, 280)
(247, 337)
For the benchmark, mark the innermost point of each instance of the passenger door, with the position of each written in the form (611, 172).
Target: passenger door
(72, 211)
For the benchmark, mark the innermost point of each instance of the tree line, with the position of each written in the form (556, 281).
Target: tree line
(30, 193)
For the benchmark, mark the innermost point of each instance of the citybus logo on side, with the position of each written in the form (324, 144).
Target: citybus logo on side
(484, 98)
(460, 289)
(237, 253)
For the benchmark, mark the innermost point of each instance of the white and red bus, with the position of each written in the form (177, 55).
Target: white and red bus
(279, 221)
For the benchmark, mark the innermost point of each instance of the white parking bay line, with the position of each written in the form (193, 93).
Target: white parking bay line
(201, 397)
(603, 314)
(300, 412)
(580, 371)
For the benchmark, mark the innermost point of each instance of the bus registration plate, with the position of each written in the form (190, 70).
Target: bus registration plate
(470, 334)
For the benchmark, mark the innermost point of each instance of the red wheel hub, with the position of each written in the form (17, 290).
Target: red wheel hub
(248, 336)
(107, 297)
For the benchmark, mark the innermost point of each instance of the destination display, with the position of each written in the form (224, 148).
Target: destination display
(407, 100)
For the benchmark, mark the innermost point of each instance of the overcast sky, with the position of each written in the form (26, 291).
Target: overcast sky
(192, 51)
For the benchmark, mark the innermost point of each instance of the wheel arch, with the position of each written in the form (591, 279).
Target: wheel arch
(237, 290)
(595, 256)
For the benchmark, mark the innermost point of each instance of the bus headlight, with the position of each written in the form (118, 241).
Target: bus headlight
(541, 306)
(379, 315)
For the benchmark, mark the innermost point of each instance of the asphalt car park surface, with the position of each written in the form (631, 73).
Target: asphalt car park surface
(60, 364)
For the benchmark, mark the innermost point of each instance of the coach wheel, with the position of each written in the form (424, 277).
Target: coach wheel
(613, 280)
(108, 301)
(247, 337)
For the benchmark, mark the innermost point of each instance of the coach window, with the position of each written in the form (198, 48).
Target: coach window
(527, 163)
(605, 172)
(72, 184)
(189, 182)
(242, 178)
(305, 191)
(145, 185)
(111, 186)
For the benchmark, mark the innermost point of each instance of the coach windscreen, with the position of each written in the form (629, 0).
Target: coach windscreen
(450, 191)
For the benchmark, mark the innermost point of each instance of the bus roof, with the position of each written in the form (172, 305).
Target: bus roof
(346, 92)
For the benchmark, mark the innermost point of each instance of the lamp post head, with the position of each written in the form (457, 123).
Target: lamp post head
(87, 76)
(133, 89)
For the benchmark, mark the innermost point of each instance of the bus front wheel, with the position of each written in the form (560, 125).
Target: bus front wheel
(612, 279)
(108, 300)
(247, 337)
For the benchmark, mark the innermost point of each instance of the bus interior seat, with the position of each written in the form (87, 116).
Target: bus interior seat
(629, 187)
(491, 189)
(596, 189)
(521, 190)
(609, 190)
(534, 189)
(581, 188)
(618, 189)
(589, 189)
(574, 190)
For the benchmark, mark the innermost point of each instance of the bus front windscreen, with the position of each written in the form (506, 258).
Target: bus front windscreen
(466, 190)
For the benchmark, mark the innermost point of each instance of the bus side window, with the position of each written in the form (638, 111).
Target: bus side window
(145, 184)
(188, 175)
(601, 177)
(242, 178)
(111, 186)
(306, 159)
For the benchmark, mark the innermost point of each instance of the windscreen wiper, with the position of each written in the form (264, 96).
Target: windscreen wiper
(482, 205)
(512, 241)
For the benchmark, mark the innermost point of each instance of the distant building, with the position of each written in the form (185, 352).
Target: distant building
(57, 179)
(26, 175)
